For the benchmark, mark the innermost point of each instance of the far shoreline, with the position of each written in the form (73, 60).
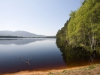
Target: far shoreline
(27, 37)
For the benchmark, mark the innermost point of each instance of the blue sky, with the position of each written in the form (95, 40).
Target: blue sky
(43, 17)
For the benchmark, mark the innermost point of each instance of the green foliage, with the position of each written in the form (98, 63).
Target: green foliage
(82, 29)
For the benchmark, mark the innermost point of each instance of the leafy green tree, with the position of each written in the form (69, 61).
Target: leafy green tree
(82, 29)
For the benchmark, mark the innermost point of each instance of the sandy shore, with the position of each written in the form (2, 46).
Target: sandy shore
(83, 70)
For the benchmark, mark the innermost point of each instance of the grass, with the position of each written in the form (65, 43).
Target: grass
(64, 71)
(91, 67)
(50, 73)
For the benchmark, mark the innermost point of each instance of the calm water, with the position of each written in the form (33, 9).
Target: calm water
(39, 54)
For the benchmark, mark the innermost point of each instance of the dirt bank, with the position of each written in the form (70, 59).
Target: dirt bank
(84, 70)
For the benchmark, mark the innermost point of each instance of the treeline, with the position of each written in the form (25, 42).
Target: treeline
(11, 37)
(50, 36)
(83, 27)
(27, 37)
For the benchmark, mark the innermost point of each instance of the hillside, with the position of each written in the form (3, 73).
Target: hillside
(19, 33)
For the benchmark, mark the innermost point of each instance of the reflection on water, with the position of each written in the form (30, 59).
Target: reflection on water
(74, 57)
(18, 41)
(29, 54)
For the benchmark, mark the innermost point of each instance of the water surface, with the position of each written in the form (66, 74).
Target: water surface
(40, 53)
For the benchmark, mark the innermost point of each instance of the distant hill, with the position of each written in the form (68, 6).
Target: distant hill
(19, 33)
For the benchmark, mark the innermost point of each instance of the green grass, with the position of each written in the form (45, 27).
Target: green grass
(50, 73)
(64, 71)
(92, 67)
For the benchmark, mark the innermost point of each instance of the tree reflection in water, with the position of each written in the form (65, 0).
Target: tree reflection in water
(77, 56)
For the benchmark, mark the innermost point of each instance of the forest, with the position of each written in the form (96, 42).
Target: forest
(83, 27)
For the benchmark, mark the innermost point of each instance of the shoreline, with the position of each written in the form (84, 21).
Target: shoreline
(48, 71)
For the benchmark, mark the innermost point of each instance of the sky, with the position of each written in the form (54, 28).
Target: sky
(43, 17)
